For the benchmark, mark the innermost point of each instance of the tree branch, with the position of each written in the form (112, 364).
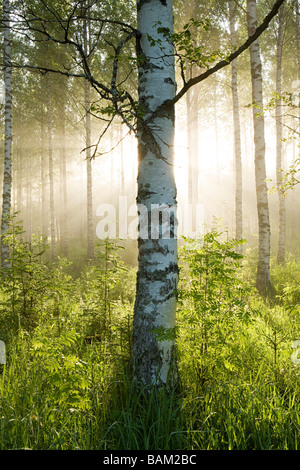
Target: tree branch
(223, 63)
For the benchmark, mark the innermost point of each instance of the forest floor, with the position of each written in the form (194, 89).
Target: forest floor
(66, 383)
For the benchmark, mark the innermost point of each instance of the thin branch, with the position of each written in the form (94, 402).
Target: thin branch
(223, 63)
(113, 148)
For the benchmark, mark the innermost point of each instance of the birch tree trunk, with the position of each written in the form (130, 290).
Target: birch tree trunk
(18, 142)
(281, 200)
(63, 178)
(263, 282)
(237, 133)
(51, 171)
(122, 167)
(19, 182)
(89, 177)
(157, 275)
(216, 125)
(296, 123)
(43, 170)
(298, 48)
(28, 187)
(193, 147)
(192, 122)
(7, 177)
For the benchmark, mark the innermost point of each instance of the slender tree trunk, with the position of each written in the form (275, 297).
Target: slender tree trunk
(237, 133)
(43, 171)
(193, 147)
(113, 184)
(296, 123)
(279, 150)
(7, 178)
(19, 170)
(51, 171)
(28, 203)
(192, 122)
(157, 275)
(122, 167)
(263, 282)
(63, 179)
(90, 225)
(217, 141)
(19, 182)
(297, 11)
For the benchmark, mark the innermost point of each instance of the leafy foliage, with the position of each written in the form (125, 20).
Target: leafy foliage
(62, 372)
(213, 304)
(187, 50)
(239, 382)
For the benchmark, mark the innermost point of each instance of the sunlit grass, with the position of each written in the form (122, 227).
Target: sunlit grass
(237, 390)
(253, 415)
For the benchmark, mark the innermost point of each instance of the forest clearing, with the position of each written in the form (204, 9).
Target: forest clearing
(150, 274)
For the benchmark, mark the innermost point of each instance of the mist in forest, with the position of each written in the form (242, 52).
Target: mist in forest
(50, 118)
(149, 294)
(114, 176)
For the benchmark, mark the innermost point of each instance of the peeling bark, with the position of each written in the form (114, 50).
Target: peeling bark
(155, 306)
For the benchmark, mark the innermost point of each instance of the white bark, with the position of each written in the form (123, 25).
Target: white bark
(192, 105)
(263, 283)
(89, 176)
(279, 150)
(193, 147)
(237, 132)
(157, 275)
(122, 167)
(43, 167)
(63, 179)
(28, 190)
(7, 178)
(298, 56)
(51, 170)
(298, 37)
(19, 181)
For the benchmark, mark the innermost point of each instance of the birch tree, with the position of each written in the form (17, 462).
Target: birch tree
(151, 117)
(157, 275)
(63, 176)
(237, 132)
(7, 176)
(263, 282)
(51, 169)
(279, 150)
(89, 184)
(192, 106)
(297, 13)
(43, 164)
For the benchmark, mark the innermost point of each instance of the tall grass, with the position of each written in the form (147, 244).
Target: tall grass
(116, 415)
(238, 387)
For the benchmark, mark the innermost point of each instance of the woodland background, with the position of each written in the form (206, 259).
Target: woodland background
(66, 302)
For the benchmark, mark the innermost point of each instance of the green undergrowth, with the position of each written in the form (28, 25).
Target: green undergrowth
(67, 379)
